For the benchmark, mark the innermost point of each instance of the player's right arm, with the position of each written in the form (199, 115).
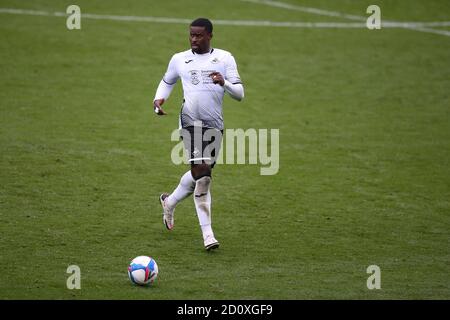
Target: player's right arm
(165, 87)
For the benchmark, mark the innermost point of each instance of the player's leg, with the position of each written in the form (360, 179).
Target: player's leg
(202, 200)
(201, 172)
(185, 187)
(169, 202)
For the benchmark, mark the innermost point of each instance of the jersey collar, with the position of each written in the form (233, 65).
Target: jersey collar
(210, 51)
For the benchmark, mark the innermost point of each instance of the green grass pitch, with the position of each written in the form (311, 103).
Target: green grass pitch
(364, 174)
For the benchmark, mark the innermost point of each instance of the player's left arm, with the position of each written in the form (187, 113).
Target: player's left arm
(231, 81)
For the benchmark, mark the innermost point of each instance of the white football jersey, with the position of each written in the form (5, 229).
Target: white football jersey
(202, 98)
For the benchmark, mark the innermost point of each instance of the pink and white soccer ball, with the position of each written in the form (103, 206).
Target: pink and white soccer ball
(143, 270)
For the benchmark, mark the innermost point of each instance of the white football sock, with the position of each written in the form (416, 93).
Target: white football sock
(184, 189)
(206, 227)
(202, 200)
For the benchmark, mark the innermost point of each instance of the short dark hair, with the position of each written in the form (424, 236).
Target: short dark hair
(203, 22)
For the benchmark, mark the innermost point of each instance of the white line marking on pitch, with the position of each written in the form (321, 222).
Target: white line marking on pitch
(308, 9)
(410, 26)
(253, 23)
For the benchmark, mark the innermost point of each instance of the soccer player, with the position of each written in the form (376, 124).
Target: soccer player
(206, 74)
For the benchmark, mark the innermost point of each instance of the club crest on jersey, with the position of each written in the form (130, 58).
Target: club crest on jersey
(215, 60)
(195, 74)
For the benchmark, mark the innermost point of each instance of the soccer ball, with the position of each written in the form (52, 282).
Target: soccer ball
(143, 270)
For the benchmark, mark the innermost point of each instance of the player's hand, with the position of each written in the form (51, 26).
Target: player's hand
(217, 78)
(157, 107)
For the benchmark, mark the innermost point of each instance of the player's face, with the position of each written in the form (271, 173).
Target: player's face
(199, 39)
